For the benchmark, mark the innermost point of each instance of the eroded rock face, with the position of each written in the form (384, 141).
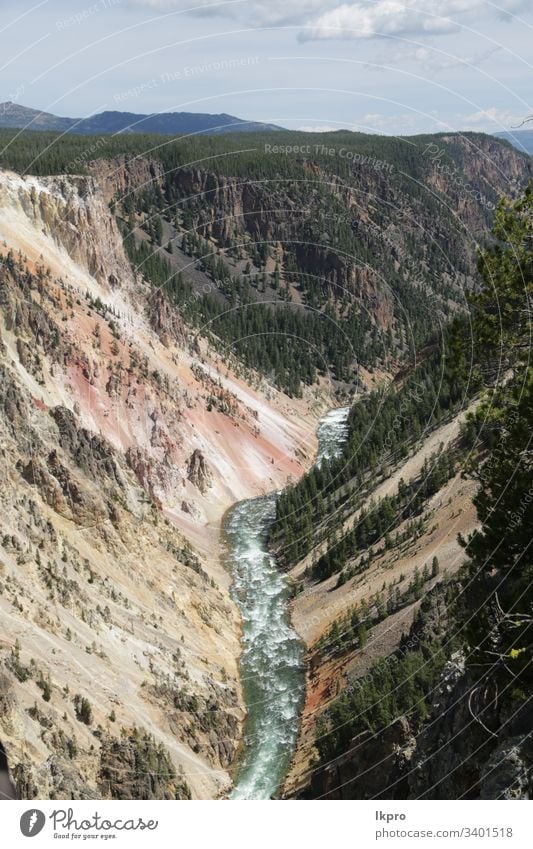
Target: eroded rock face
(165, 319)
(83, 543)
(71, 210)
(126, 174)
(373, 767)
(508, 773)
(13, 408)
(198, 471)
(134, 766)
(7, 787)
(100, 567)
(469, 174)
(475, 742)
(90, 452)
(64, 491)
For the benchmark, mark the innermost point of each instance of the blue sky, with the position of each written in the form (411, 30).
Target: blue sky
(372, 65)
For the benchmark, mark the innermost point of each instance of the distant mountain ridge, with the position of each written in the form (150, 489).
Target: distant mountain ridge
(521, 139)
(15, 116)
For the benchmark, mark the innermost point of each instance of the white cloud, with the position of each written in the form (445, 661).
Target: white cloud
(431, 60)
(377, 123)
(363, 20)
(492, 119)
(253, 12)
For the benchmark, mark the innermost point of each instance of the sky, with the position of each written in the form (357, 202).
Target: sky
(372, 65)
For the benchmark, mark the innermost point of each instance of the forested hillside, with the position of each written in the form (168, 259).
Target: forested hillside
(382, 429)
(447, 714)
(309, 258)
(176, 315)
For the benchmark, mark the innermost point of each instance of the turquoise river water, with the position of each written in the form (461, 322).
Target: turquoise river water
(271, 664)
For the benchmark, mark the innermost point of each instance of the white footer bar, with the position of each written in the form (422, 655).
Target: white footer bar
(273, 825)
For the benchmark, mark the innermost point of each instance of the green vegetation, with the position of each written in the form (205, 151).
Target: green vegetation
(14, 663)
(382, 428)
(398, 685)
(247, 155)
(501, 566)
(45, 685)
(287, 343)
(376, 522)
(487, 610)
(351, 631)
(83, 709)
(136, 766)
(298, 273)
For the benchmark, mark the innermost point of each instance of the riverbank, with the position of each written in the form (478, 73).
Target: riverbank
(272, 671)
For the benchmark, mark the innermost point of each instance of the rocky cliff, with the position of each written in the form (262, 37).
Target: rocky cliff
(138, 403)
(386, 233)
(119, 638)
(474, 743)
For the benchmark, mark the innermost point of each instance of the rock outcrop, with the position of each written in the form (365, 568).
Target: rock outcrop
(69, 211)
(120, 594)
(198, 471)
(371, 768)
(7, 787)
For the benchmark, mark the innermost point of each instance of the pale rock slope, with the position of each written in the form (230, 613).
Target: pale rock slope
(121, 446)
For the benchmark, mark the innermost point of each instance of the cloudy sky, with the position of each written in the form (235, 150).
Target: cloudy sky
(371, 65)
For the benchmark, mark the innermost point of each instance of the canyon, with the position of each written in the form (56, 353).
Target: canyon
(120, 455)
(142, 398)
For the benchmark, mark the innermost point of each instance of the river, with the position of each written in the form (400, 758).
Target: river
(271, 665)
